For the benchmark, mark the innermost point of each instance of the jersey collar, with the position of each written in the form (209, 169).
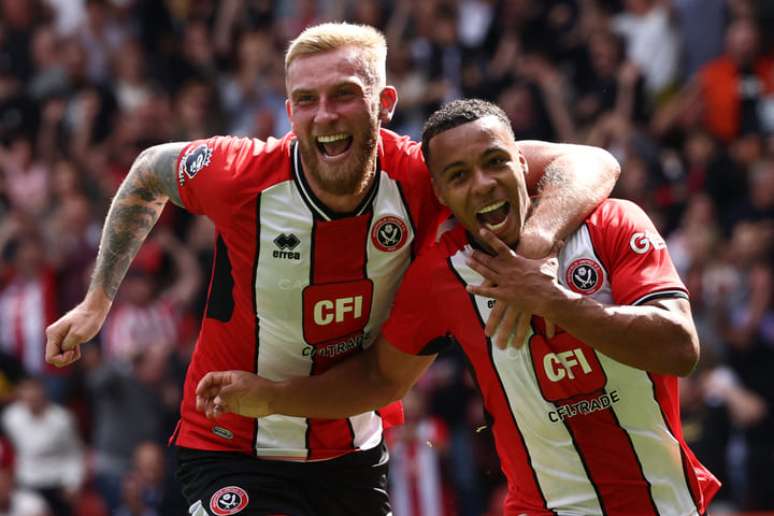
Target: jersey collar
(316, 205)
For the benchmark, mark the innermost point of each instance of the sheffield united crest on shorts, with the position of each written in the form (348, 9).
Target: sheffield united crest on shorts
(194, 160)
(389, 233)
(228, 500)
(584, 276)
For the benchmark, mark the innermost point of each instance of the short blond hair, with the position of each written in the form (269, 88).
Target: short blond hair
(326, 37)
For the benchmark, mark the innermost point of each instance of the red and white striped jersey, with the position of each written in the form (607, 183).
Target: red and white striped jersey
(416, 482)
(296, 288)
(131, 329)
(27, 306)
(576, 432)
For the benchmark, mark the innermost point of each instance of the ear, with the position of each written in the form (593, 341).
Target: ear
(388, 101)
(289, 110)
(437, 191)
(523, 163)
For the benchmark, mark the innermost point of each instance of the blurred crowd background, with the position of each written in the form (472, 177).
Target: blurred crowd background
(680, 91)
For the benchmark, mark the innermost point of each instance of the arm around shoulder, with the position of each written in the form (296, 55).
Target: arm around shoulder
(367, 381)
(571, 180)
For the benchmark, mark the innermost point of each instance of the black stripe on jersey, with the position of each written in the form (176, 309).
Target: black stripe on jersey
(308, 421)
(683, 459)
(437, 345)
(365, 251)
(312, 240)
(637, 458)
(220, 304)
(414, 250)
(481, 321)
(255, 302)
(662, 294)
(319, 209)
(594, 250)
(582, 458)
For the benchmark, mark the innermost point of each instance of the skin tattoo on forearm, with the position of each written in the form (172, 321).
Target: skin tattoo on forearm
(133, 213)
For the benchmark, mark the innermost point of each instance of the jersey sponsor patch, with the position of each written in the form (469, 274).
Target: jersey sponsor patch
(229, 500)
(193, 161)
(335, 316)
(336, 309)
(565, 368)
(389, 234)
(642, 241)
(584, 276)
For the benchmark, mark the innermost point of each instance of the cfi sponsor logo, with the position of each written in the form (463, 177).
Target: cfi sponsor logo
(642, 241)
(194, 160)
(584, 276)
(389, 234)
(229, 500)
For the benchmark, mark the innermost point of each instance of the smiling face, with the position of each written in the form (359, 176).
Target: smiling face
(336, 114)
(478, 172)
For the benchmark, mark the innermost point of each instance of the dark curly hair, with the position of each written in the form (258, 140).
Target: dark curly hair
(457, 113)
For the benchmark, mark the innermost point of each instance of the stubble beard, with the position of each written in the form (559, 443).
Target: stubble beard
(350, 178)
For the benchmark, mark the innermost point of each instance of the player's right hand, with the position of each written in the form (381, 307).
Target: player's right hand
(238, 392)
(65, 336)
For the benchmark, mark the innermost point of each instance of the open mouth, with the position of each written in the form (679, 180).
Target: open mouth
(334, 144)
(494, 215)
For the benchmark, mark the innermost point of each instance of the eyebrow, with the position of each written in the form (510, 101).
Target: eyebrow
(486, 154)
(338, 85)
(452, 165)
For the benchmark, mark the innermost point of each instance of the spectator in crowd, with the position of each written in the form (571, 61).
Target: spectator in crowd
(651, 42)
(50, 458)
(417, 450)
(148, 488)
(735, 86)
(28, 302)
(17, 501)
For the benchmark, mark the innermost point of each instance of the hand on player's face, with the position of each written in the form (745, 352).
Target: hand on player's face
(521, 287)
(478, 172)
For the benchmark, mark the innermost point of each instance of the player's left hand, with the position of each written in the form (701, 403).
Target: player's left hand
(520, 285)
(238, 392)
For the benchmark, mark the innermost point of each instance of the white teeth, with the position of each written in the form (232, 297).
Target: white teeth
(494, 228)
(492, 207)
(332, 138)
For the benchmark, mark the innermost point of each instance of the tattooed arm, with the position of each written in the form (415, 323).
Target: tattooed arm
(151, 181)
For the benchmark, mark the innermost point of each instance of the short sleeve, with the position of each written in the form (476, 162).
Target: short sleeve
(207, 172)
(634, 254)
(416, 324)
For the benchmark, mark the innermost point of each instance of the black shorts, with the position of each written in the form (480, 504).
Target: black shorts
(222, 484)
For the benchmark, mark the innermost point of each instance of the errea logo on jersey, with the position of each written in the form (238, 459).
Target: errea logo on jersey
(642, 241)
(285, 245)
